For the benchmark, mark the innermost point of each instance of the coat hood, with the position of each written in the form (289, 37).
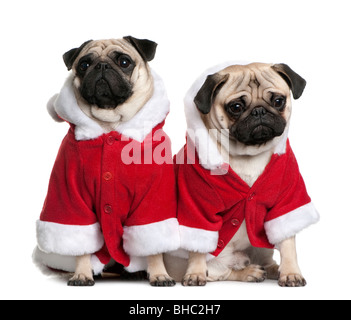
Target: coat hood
(209, 156)
(64, 107)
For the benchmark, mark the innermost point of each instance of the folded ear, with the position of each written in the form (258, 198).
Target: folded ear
(206, 95)
(146, 48)
(296, 83)
(70, 56)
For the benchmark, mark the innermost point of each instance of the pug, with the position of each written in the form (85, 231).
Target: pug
(240, 190)
(103, 206)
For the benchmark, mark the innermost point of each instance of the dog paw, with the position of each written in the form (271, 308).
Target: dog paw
(192, 280)
(255, 273)
(161, 280)
(292, 280)
(80, 280)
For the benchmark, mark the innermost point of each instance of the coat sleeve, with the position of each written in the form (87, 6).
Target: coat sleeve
(152, 226)
(68, 226)
(293, 210)
(198, 208)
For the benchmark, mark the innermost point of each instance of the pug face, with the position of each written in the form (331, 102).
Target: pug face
(111, 77)
(252, 102)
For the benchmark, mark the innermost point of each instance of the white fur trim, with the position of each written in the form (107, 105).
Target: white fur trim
(151, 239)
(198, 240)
(63, 263)
(153, 113)
(51, 108)
(69, 240)
(65, 106)
(137, 264)
(209, 155)
(290, 224)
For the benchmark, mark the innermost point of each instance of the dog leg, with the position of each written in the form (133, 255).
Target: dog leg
(290, 274)
(196, 273)
(83, 275)
(157, 272)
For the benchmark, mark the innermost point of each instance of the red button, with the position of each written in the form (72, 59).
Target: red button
(251, 196)
(235, 222)
(108, 209)
(110, 140)
(107, 176)
(220, 244)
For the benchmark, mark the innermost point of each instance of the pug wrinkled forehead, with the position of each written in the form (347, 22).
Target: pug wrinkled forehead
(252, 101)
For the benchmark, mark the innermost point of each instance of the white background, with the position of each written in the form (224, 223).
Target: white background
(313, 37)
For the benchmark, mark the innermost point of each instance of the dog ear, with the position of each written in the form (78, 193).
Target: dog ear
(70, 56)
(146, 48)
(206, 95)
(296, 83)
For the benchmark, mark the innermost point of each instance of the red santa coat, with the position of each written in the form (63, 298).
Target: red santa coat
(213, 206)
(112, 195)
(213, 201)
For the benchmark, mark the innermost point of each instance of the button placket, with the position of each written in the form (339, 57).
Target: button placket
(107, 198)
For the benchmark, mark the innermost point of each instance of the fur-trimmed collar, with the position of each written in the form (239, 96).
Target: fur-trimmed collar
(64, 107)
(207, 150)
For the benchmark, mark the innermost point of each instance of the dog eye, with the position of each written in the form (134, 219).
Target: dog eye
(124, 62)
(235, 108)
(84, 66)
(278, 103)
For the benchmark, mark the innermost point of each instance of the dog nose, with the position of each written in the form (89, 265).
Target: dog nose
(258, 112)
(102, 66)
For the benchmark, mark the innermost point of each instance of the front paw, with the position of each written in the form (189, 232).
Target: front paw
(81, 280)
(292, 280)
(161, 280)
(254, 273)
(196, 279)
